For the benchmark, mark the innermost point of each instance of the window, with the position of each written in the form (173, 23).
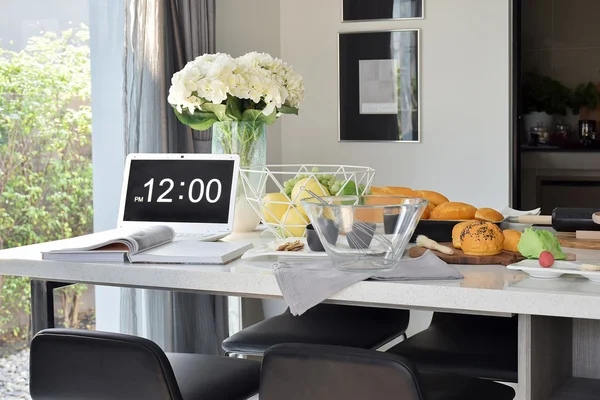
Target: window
(45, 160)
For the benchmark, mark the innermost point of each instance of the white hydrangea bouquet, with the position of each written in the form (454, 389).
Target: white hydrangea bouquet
(217, 87)
(240, 95)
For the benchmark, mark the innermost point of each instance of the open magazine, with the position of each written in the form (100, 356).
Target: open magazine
(155, 244)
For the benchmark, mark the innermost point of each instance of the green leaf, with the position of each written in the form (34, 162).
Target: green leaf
(585, 95)
(199, 121)
(268, 119)
(257, 116)
(251, 115)
(288, 110)
(234, 108)
(219, 110)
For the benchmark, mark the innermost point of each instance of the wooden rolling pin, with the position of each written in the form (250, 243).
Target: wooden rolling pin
(564, 219)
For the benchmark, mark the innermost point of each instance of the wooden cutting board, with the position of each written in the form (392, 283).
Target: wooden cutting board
(568, 239)
(459, 257)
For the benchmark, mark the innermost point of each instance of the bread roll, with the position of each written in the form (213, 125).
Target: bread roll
(482, 239)
(434, 198)
(511, 240)
(371, 214)
(376, 214)
(454, 211)
(489, 214)
(378, 190)
(426, 212)
(458, 230)
(400, 191)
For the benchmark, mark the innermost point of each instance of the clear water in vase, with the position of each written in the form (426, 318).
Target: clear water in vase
(249, 141)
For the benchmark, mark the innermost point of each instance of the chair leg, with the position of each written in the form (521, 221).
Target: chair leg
(392, 343)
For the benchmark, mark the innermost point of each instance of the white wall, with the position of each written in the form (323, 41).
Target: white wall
(465, 83)
(245, 26)
(465, 87)
(241, 27)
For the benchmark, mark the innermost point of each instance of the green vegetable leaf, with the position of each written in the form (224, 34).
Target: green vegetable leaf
(534, 242)
(288, 110)
(199, 121)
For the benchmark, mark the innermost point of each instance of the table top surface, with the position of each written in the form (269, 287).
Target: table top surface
(487, 289)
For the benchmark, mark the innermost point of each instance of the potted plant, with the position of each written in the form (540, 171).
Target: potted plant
(237, 98)
(585, 99)
(543, 97)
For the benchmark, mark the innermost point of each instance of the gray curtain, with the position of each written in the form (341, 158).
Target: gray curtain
(160, 37)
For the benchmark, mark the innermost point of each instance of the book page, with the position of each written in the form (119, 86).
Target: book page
(113, 247)
(127, 240)
(151, 237)
(193, 252)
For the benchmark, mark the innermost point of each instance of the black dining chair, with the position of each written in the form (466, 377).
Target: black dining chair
(75, 364)
(315, 372)
(361, 327)
(468, 345)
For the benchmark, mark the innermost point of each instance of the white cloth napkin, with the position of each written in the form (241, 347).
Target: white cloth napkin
(304, 285)
(511, 212)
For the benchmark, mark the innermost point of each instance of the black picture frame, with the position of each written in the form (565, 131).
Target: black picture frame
(379, 86)
(374, 10)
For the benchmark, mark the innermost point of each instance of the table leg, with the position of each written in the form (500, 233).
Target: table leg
(545, 356)
(42, 304)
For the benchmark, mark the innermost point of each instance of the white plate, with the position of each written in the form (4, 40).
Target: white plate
(269, 250)
(593, 276)
(533, 268)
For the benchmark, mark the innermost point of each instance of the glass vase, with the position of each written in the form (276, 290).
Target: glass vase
(249, 141)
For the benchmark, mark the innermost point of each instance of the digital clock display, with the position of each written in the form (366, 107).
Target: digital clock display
(179, 191)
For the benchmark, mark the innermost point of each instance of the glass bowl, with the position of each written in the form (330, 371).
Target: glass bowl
(357, 224)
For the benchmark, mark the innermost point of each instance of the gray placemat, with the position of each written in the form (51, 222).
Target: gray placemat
(305, 284)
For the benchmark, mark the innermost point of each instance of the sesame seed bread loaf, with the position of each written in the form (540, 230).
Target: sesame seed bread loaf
(485, 239)
(458, 230)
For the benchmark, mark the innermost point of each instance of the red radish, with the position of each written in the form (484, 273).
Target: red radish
(546, 259)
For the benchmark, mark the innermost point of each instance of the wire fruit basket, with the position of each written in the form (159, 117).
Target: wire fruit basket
(275, 191)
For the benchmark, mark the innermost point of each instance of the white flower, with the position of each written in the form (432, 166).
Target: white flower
(257, 77)
(201, 80)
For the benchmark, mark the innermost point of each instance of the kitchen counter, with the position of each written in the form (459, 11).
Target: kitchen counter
(560, 317)
(485, 289)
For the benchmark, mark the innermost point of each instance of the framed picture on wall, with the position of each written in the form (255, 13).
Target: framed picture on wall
(379, 86)
(373, 10)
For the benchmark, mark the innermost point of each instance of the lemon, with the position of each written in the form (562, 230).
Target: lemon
(294, 223)
(274, 206)
(301, 188)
